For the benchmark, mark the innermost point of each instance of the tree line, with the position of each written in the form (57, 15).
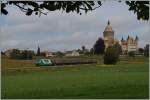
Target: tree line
(110, 54)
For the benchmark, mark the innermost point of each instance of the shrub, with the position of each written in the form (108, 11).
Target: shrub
(118, 48)
(131, 54)
(60, 54)
(111, 55)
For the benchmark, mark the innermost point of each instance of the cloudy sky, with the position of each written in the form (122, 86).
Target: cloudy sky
(61, 31)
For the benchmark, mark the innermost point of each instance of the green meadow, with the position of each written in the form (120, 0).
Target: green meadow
(129, 78)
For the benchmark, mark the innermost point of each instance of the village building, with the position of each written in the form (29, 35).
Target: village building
(72, 53)
(130, 44)
(49, 54)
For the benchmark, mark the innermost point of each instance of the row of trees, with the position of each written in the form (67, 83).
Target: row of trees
(21, 54)
(111, 54)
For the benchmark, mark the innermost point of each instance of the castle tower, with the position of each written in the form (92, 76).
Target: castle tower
(124, 46)
(136, 38)
(122, 39)
(136, 42)
(108, 35)
(130, 43)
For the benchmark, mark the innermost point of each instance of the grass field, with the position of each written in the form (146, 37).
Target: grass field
(128, 79)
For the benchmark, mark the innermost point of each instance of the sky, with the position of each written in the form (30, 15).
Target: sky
(60, 31)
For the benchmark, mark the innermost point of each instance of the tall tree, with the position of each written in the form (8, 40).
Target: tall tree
(99, 46)
(83, 48)
(146, 50)
(141, 50)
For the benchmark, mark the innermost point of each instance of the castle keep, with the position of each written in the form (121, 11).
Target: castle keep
(130, 44)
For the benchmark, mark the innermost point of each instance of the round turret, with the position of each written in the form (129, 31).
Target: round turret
(108, 32)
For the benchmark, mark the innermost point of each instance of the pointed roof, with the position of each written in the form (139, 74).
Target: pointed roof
(122, 39)
(108, 23)
(108, 27)
(128, 37)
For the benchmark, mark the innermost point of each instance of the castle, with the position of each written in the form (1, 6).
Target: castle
(130, 44)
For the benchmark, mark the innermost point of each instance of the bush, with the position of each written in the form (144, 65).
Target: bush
(111, 56)
(60, 54)
(118, 48)
(131, 54)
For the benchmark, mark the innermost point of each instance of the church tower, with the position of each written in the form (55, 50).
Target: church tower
(136, 42)
(108, 35)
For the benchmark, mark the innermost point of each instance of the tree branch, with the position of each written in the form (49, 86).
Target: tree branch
(25, 10)
(90, 9)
